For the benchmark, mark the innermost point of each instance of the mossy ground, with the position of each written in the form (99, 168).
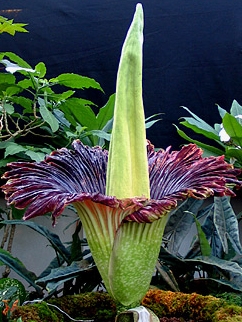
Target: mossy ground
(192, 306)
(101, 307)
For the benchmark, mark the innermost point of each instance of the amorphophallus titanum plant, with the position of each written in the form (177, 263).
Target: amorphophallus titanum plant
(123, 196)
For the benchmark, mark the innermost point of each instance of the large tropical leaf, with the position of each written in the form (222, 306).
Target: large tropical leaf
(226, 223)
(199, 126)
(60, 275)
(16, 265)
(221, 264)
(208, 150)
(42, 230)
(179, 224)
(210, 231)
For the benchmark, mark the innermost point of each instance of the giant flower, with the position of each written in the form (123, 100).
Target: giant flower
(123, 197)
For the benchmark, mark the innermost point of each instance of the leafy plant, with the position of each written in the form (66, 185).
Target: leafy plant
(32, 106)
(72, 270)
(225, 138)
(212, 264)
(12, 294)
(222, 269)
(9, 26)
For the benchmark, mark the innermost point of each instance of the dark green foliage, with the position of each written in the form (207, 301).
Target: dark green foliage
(231, 297)
(221, 139)
(68, 272)
(32, 106)
(211, 264)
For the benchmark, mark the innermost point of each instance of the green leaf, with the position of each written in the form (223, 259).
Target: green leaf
(35, 156)
(235, 153)
(26, 83)
(13, 148)
(19, 319)
(58, 98)
(26, 103)
(76, 81)
(12, 90)
(105, 113)
(236, 109)
(17, 213)
(10, 27)
(204, 244)
(42, 230)
(81, 112)
(19, 27)
(208, 150)
(61, 274)
(101, 134)
(5, 161)
(224, 265)
(233, 128)
(76, 245)
(199, 123)
(151, 123)
(40, 69)
(47, 116)
(9, 108)
(7, 78)
(222, 111)
(226, 223)
(179, 224)
(60, 116)
(198, 128)
(168, 276)
(16, 265)
(17, 59)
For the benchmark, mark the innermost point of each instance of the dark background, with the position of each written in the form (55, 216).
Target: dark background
(192, 51)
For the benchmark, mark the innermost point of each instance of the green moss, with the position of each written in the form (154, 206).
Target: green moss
(91, 305)
(38, 312)
(231, 297)
(82, 306)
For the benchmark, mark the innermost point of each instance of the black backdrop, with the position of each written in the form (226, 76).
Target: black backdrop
(192, 51)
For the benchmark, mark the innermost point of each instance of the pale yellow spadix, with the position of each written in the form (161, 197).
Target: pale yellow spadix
(127, 173)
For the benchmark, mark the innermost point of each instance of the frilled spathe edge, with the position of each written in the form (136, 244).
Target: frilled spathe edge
(138, 210)
(69, 176)
(185, 173)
